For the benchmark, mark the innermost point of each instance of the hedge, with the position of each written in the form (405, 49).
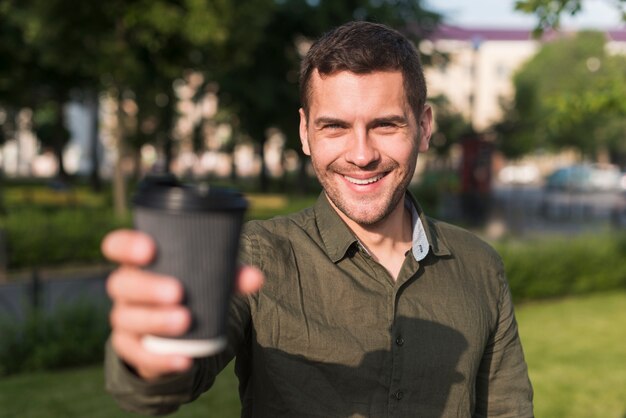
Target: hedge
(71, 336)
(46, 237)
(551, 267)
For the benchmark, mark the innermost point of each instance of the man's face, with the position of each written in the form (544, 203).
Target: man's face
(363, 140)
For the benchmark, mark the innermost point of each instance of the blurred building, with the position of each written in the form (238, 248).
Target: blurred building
(476, 74)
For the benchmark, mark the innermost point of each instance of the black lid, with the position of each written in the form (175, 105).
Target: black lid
(166, 192)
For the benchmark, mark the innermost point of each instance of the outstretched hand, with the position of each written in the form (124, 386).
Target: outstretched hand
(149, 303)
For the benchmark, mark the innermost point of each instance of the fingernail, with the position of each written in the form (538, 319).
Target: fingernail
(169, 292)
(181, 363)
(176, 320)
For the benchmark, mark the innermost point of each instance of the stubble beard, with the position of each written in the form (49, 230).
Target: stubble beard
(372, 209)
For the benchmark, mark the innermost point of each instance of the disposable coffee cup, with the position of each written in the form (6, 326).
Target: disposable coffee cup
(196, 230)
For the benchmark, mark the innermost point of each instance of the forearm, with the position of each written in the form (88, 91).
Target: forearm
(165, 395)
(135, 394)
(503, 388)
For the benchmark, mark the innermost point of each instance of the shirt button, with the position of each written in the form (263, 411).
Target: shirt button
(400, 341)
(398, 395)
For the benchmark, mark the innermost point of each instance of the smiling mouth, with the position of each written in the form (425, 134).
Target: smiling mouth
(362, 182)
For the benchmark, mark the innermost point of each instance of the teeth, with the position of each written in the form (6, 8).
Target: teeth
(364, 181)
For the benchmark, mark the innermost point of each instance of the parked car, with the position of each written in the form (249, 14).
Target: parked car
(585, 177)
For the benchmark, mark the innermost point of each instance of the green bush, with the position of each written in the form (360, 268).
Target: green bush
(550, 267)
(71, 336)
(45, 237)
(434, 185)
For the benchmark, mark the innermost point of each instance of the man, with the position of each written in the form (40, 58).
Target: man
(368, 308)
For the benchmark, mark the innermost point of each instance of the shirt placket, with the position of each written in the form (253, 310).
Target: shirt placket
(396, 387)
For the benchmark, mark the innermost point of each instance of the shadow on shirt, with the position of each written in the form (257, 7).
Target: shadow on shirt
(416, 376)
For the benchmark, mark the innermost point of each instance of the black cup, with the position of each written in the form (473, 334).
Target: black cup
(196, 230)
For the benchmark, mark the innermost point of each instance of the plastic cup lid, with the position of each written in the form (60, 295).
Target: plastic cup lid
(166, 192)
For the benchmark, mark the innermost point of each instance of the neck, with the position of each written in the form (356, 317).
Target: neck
(388, 240)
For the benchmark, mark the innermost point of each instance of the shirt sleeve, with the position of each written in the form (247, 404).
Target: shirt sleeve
(165, 396)
(503, 388)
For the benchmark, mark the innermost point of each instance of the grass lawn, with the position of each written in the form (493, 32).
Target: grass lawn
(575, 348)
(80, 393)
(576, 353)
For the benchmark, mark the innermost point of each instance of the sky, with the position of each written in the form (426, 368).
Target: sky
(596, 14)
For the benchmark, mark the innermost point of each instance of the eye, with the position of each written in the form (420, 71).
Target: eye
(385, 127)
(333, 126)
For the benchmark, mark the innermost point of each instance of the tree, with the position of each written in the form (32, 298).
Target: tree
(58, 56)
(50, 128)
(138, 49)
(450, 126)
(135, 48)
(549, 12)
(570, 94)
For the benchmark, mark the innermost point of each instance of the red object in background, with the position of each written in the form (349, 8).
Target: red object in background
(476, 179)
(476, 165)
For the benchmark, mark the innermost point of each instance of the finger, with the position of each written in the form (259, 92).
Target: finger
(132, 285)
(148, 365)
(127, 246)
(168, 322)
(249, 279)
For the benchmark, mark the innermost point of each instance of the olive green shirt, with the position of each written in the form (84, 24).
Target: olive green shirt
(332, 334)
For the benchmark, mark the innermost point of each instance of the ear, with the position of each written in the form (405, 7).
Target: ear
(304, 134)
(425, 125)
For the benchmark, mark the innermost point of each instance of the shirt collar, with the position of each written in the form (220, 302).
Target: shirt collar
(336, 235)
(429, 230)
(338, 238)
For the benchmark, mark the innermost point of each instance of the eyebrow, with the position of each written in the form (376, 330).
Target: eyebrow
(397, 119)
(326, 120)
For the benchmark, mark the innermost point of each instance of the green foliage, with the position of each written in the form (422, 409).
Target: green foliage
(450, 126)
(49, 126)
(570, 94)
(46, 237)
(71, 336)
(552, 267)
(549, 12)
(434, 186)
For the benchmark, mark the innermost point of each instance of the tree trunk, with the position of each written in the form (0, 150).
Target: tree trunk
(59, 143)
(263, 177)
(137, 167)
(93, 102)
(119, 190)
(167, 119)
(58, 153)
(119, 182)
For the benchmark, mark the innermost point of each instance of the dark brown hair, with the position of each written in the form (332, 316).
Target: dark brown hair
(361, 48)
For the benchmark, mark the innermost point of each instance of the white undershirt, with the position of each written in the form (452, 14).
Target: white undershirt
(419, 243)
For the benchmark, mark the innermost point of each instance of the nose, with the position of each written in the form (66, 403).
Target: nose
(362, 150)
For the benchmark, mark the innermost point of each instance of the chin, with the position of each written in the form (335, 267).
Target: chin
(366, 217)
